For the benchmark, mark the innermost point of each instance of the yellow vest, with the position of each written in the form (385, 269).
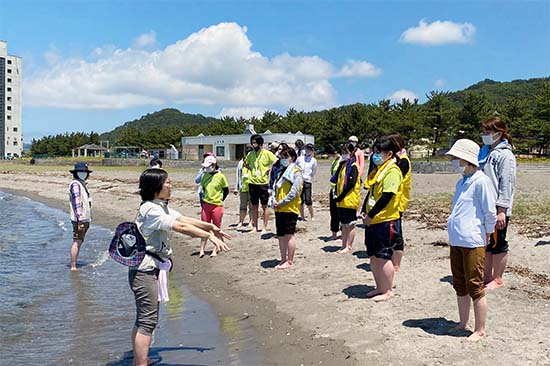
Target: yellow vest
(281, 192)
(375, 183)
(405, 196)
(352, 200)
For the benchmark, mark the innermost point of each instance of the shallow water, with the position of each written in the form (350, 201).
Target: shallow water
(52, 316)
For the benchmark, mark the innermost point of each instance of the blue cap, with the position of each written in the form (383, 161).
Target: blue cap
(80, 167)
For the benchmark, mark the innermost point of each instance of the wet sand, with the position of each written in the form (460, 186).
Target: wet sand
(316, 312)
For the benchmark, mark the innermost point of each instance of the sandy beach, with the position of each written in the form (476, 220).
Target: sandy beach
(316, 312)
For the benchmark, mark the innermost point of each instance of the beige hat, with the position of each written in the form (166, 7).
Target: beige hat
(466, 150)
(353, 139)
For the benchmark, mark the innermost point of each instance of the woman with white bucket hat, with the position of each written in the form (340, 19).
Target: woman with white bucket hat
(470, 224)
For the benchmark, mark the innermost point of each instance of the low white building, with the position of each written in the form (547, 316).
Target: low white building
(231, 147)
(91, 150)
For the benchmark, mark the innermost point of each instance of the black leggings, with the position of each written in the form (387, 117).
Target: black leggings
(334, 217)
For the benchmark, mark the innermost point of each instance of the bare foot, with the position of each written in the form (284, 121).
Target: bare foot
(344, 250)
(74, 269)
(201, 254)
(459, 328)
(476, 336)
(383, 297)
(279, 265)
(239, 225)
(373, 293)
(396, 269)
(213, 254)
(285, 265)
(494, 284)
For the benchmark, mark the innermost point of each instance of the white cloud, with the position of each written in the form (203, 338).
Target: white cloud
(440, 83)
(358, 68)
(145, 40)
(214, 66)
(52, 55)
(245, 112)
(439, 33)
(399, 95)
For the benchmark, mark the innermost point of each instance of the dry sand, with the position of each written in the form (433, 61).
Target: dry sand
(316, 312)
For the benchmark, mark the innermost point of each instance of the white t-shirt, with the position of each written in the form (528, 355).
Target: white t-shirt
(308, 165)
(155, 220)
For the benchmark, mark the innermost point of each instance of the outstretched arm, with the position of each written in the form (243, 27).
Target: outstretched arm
(188, 226)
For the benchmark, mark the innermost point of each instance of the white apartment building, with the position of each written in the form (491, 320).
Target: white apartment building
(11, 137)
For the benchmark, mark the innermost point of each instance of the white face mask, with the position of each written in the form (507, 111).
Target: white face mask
(82, 175)
(345, 156)
(285, 162)
(490, 138)
(456, 166)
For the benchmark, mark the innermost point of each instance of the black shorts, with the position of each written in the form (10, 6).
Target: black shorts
(348, 216)
(497, 242)
(258, 193)
(80, 232)
(285, 223)
(306, 194)
(400, 242)
(381, 238)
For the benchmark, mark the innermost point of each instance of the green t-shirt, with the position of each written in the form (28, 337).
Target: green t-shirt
(212, 186)
(259, 163)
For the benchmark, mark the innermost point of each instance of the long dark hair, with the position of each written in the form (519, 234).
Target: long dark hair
(151, 182)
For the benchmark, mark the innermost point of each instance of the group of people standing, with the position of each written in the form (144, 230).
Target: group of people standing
(282, 179)
(278, 178)
(388, 183)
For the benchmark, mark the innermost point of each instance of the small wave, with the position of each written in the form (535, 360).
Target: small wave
(61, 224)
(102, 258)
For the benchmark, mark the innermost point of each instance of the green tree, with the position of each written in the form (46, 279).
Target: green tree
(474, 111)
(439, 118)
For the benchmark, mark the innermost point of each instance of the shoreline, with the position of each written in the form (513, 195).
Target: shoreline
(317, 312)
(279, 341)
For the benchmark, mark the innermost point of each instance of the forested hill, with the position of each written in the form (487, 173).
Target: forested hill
(498, 92)
(164, 118)
(495, 93)
(443, 118)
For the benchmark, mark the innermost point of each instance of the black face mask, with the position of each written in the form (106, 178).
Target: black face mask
(256, 148)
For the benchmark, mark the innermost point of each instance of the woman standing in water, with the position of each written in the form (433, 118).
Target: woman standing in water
(156, 221)
(498, 162)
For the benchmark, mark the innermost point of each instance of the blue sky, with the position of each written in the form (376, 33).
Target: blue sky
(93, 65)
